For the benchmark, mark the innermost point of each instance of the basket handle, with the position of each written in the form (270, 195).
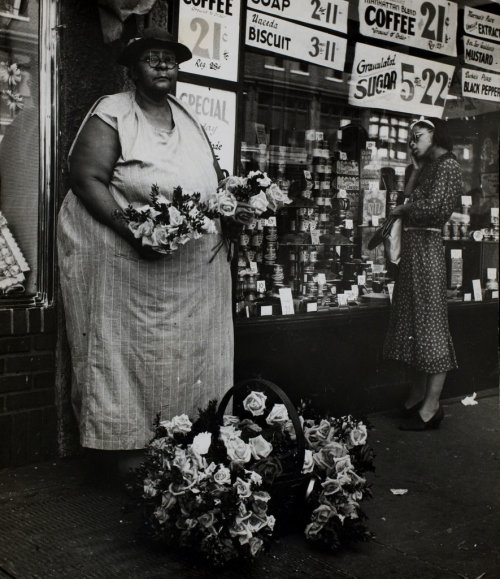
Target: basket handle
(292, 412)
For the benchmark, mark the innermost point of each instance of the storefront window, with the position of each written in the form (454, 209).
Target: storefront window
(24, 225)
(344, 167)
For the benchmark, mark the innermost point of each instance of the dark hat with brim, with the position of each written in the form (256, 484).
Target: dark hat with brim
(153, 38)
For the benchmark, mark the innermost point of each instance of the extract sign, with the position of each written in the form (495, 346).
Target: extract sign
(391, 80)
(210, 28)
(295, 41)
(425, 25)
(331, 14)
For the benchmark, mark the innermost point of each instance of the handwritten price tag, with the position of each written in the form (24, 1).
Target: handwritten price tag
(330, 14)
(426, 25)
(295, 41)
(391, 80)
(211, 31)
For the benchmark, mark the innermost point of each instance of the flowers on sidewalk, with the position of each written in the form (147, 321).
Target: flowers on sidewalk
(214, 488)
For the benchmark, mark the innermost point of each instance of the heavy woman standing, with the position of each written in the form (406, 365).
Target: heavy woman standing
(148, 333)
(418, 329)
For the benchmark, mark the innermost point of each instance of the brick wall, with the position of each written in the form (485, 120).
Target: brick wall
(27, 376)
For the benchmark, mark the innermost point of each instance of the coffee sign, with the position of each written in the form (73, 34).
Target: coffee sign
(425, 25)
(210, 28)
(391, 80)
(295, 41)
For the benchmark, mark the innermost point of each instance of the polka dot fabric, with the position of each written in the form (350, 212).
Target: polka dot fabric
(418, 329)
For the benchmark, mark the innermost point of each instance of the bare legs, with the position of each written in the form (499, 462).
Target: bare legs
(427, 388)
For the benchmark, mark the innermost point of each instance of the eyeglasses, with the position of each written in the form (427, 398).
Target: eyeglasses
(415, 137)
(154, 61)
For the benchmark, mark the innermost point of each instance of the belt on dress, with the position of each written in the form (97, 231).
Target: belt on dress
(423, 229)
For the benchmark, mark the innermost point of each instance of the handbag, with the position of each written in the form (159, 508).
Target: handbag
(389, 233)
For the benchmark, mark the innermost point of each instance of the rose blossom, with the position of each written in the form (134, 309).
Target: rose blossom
(322, 514)
(250, 425)
(313, 529)
(254, 477)
(259, 202)
(255, 545)
(175, 216)
(181, 424)
(278, 414)
(255, 403)
(206, 520)
(242, 488)
(260, 447)
(276, 197)
(209, 225)
(168, 500)
(226, 203)
(237, 450)
(229, 419)
(144, 229)
(201, 443)
(343, 464)
(264, 181)
(259, 502)
(232, 183)
(358, 435)
(269, 468)
(331, 486)
(229, 433)
(241, 529)
(149, 488)
(308, 462)
(222, 476)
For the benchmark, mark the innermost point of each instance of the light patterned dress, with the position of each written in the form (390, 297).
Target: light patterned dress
(418, 329)
(146, 337)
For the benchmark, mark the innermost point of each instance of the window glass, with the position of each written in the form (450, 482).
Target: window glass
(19, 146)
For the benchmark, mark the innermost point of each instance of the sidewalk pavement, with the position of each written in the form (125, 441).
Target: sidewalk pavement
(54, 524)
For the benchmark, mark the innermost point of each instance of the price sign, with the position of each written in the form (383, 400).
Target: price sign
(391, 80)
(286, 300)
(331, 14)
(294, 41)
(216, 111)
(482, 24)
(426, 25)
(210, 28)
(482, 53)
(480, 84)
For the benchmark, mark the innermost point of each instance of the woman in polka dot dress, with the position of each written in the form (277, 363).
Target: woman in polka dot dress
(418, 329)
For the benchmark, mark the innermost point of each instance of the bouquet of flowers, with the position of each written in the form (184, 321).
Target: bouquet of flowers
(214, 485)
(256, 189)
(164, 224)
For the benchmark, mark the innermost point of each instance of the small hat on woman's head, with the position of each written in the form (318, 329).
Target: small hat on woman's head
(153, 37)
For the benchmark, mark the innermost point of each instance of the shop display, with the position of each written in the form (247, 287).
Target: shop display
(13, 266)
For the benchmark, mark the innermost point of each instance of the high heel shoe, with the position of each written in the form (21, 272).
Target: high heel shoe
(415, 423)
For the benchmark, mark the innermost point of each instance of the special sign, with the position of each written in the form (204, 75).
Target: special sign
(216, 111)
(210, 29)
(479, 84)
(391, 80)
(295, 41)
(426, 25)
(482, 53)
(331, 14)
(482, 24)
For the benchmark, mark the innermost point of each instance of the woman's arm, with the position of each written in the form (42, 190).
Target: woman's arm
(91, 167)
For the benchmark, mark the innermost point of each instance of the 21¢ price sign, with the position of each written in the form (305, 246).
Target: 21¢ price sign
(210, 29)
(391, 80)
(295, 41)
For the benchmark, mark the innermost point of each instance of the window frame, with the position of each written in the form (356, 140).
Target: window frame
(47, 179)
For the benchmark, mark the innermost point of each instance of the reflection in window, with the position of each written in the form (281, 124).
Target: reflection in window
(19, 146)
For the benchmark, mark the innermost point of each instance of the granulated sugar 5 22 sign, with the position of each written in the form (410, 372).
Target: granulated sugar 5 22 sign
(426, 25)
(210, 28)
(390, 80)
(292, 40)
